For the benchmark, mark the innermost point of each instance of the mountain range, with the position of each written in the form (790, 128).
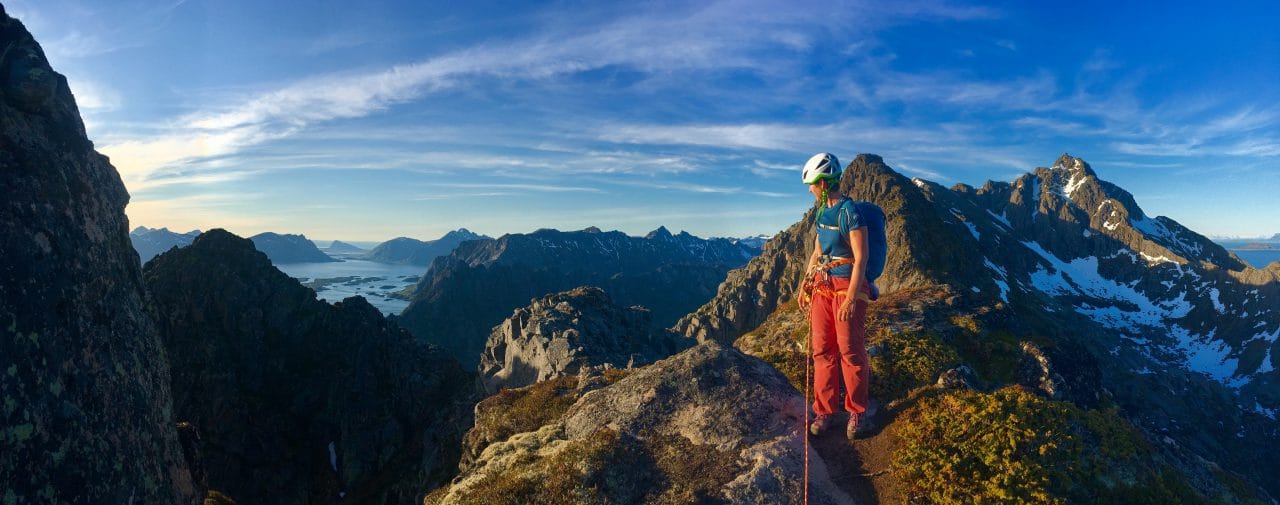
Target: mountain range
(466, 293)
(408, 251)
(149, 242)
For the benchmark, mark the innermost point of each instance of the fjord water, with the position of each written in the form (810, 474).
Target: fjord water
(376, 282)
(1257, 258)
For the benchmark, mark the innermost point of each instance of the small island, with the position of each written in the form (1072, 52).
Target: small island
(1257, 246)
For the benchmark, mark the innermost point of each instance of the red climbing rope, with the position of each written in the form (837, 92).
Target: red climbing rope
(807, 350)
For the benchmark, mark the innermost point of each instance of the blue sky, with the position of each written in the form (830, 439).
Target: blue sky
(369, 120)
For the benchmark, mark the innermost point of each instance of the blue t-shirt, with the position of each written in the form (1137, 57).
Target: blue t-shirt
(834, 226)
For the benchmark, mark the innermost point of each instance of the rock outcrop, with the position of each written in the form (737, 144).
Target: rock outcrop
(562, 333)
(708, 425)
(408, 251)
(296, 400)
(288, 248)
(465, 294)
(85, 409)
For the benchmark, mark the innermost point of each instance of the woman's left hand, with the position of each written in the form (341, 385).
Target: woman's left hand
(846, 309)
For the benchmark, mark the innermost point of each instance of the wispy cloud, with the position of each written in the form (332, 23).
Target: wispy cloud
(545, 188)
(721, 35)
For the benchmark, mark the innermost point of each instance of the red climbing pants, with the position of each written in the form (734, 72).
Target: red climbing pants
(839, 350)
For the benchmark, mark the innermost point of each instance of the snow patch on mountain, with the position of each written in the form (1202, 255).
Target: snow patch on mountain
(973, 230)
(1207, 355)
(1077, 180)
(1154, 260)
(1158, 232)
(1004, 286)
(1122, 307)
(1217, 304)
(1001, 218)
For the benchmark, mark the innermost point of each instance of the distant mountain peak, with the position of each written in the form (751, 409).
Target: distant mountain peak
(340, 246)
(149, 242)
(461, 234)
(289, 248)
(660, 233)
(1069, 163)
(591, 229)
(411, 251)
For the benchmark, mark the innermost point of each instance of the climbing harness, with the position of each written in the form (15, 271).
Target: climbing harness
(818, 280)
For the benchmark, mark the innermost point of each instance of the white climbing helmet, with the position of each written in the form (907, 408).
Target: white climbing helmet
(821, 166)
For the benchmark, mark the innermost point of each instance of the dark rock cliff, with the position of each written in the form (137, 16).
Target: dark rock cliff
(562, 333)
(296, 400)
(85, 410)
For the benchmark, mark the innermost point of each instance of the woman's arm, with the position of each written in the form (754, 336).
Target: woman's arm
(857, 242)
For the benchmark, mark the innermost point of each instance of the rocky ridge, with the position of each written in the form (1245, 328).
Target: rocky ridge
(563, 333)
(85, 408)
(297, 400)
(708, 425)
(288, 248)
(468, 292)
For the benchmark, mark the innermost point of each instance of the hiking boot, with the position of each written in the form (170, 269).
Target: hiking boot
(857, 427)
(820, 424)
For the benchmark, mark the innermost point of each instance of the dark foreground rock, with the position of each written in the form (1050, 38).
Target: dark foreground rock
(560, 334)
(85, 411)
(296, 400)
(708, 425)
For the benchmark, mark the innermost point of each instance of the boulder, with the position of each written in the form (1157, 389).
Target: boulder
(562, 333)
